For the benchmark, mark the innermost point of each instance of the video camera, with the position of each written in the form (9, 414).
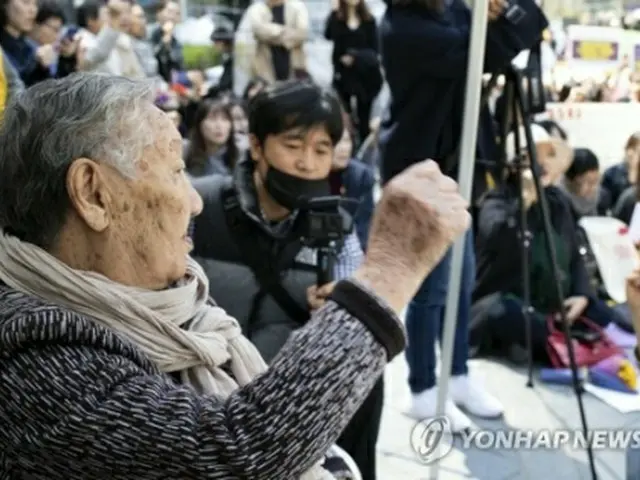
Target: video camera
(325, 220)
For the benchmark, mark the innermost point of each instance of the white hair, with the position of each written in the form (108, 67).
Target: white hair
(538, 134)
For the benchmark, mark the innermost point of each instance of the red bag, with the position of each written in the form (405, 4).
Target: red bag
(586, 353)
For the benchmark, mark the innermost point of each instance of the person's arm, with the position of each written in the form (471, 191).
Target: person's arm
(111, 416)
(365, 210)
(14, 83)
(330, 26)
(99, 52)
(264, 31)
(580, 280)
(441, 50)
(626, 204)
(349, 258)
(29, 70)
(297, 33)
(498, 223)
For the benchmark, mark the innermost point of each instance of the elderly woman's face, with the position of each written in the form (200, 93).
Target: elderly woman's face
(144, 221)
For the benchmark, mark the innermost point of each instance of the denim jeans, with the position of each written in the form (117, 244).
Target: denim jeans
(425, 320)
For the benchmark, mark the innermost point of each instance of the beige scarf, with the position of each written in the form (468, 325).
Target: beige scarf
(177, 328)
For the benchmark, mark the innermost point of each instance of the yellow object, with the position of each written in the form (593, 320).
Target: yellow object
(491, 183)
(3, 84)
(627, 374)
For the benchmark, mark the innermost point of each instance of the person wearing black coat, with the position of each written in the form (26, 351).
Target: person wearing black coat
(356, 67)
(424, 46)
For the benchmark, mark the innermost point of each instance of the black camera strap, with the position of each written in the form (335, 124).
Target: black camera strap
(268, 278)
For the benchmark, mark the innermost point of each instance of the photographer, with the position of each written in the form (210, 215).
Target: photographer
(424, 45)
(249, 236)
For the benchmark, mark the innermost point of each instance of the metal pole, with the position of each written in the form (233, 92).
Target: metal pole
(475, 64)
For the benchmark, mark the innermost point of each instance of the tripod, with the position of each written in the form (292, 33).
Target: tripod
(515, 101)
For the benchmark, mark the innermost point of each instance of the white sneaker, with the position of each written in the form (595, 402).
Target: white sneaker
(424, 405)
(473, 398)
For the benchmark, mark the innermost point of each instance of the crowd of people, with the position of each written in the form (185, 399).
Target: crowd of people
(161, 309)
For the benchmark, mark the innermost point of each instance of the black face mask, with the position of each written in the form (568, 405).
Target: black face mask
(293, 192)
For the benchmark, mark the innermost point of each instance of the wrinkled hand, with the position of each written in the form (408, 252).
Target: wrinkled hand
(46, 55)
(417, 219)
(633, 298)
(575, 307)
(346, 60)
(496, 8)
(317, 296)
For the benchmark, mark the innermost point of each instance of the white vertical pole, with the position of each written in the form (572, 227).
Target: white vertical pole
(475, 64)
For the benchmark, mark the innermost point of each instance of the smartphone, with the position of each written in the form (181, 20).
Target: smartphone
(70, 33)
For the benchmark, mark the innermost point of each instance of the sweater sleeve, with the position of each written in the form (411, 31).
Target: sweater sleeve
(78, 411)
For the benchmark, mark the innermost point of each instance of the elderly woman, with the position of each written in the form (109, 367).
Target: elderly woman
(113, 361)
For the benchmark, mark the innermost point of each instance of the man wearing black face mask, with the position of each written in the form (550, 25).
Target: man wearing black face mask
(248, 236)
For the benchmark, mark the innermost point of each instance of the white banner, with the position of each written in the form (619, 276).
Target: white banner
(602, 127)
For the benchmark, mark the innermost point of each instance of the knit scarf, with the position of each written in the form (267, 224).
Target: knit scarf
(179, 329)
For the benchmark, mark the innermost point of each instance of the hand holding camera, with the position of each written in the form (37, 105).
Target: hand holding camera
(417, 219)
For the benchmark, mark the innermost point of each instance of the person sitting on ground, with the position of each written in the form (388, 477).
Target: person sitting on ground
(581, 183)
(112, 353)
(499, 251)
(619, 177)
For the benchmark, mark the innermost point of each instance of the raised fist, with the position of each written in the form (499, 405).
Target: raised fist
(417, 219)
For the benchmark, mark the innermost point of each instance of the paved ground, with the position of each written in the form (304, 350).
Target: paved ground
(538, 408)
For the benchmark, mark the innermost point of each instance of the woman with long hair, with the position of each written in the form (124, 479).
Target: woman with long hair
(212, 145)
(356, 67)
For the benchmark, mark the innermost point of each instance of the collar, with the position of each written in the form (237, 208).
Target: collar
(248, 200)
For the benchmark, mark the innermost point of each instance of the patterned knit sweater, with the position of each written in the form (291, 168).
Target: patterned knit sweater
(78, 401)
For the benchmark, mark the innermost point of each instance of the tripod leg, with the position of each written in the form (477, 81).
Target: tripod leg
(553, 261)
(525, 235)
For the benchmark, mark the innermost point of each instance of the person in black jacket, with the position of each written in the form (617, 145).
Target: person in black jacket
(249, 237)
(424, 45)
(499, 250)
(356, 68)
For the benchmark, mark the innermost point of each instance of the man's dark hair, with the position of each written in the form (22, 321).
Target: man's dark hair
(49, 9)
(89, 10)
(294, 104)
(584, 160)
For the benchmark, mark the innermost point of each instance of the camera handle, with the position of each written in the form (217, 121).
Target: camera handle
(325, 263)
